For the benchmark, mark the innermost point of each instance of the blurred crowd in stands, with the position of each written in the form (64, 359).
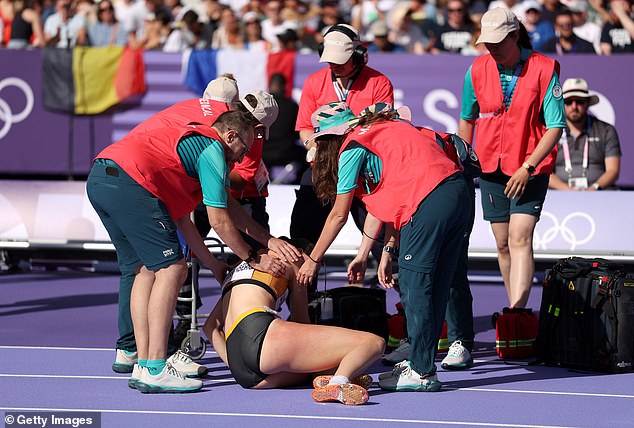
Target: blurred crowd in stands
(415, 26)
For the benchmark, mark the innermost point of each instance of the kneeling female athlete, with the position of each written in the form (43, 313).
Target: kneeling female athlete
(264, 351)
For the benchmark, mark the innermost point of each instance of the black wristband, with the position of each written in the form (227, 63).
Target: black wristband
(363, 231)
(313, 260)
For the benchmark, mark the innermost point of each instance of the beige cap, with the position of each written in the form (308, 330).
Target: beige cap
(338, 46)
(379, 28)
(222, 89)
(578, 88)
(265, 111)
(496, 24)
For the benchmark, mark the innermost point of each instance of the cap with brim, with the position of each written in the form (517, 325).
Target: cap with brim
(496, 24)
(266, 109)
(332, 119)
(577, 6)
(578, 88)
(531, 5)
(338, 46)
(222, 89)
(379, 28)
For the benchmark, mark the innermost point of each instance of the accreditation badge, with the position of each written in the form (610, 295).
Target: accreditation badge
(578, 182)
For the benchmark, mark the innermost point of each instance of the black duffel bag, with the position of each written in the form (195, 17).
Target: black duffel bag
(358, 308)
(586, 317)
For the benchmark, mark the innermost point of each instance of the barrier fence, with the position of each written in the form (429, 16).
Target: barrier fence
(53, 215)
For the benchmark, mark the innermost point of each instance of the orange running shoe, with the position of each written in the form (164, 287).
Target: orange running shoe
(348, 393)
(362, 380)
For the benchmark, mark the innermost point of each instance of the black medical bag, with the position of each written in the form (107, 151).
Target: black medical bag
(358, 308)
(586, 318)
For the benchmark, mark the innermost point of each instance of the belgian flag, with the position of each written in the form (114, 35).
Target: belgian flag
(90, 80)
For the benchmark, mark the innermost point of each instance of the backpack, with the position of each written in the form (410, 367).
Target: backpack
(459, 151)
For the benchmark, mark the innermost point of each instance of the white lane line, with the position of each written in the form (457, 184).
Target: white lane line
(63, 348)
(477, 389)
(265, 415)
(48, 376)
(520, 391)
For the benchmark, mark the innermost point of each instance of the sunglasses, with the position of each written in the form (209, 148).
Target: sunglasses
(574, 100)
(245, 148)
(105, 9)
(455, 10)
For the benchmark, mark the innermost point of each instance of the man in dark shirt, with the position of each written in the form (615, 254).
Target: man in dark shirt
(589, 156)
(566, 41)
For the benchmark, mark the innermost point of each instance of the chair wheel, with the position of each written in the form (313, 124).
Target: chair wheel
(195, 354)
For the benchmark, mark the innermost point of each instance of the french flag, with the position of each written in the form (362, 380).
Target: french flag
(252, 69)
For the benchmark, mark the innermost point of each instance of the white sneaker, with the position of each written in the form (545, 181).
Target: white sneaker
(137, 372)
(125, 361)
(409, 380)
(399, 354)
(457, 358)
(184, 364)
(396, 371)
(168, 380)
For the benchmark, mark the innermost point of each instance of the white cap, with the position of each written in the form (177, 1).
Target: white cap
(530, 4)
(577, 6)
(496, 24)
(222, 89)
(339, 44)
(266, 109)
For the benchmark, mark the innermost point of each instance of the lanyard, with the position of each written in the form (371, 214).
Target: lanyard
(568, 163)
(511, 87)
(507, 94)
(342, 94)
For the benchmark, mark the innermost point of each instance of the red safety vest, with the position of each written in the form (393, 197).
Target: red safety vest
(510, 137)
(152, 161)
(195, 110)
(413, 165)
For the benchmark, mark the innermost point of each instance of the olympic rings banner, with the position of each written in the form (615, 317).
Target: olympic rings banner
(35, 141)
(572, 223)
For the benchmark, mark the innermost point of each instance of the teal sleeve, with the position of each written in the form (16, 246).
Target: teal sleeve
(553, 106)
(470, 109)
(214, 176)
(350, 164)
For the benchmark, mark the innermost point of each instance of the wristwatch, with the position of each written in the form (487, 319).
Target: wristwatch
(530, 168)
(596, 186)
(252, 256)
(388, 249)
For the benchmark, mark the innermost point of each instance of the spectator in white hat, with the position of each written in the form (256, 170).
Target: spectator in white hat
(538, 30)
(589, 156)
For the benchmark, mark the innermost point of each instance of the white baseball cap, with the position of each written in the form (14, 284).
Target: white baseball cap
(338, 45)
(266, 109)
(496, 24)
(223, 89)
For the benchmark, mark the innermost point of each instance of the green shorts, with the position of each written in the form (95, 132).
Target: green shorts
(497, 208)
(139, 224)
